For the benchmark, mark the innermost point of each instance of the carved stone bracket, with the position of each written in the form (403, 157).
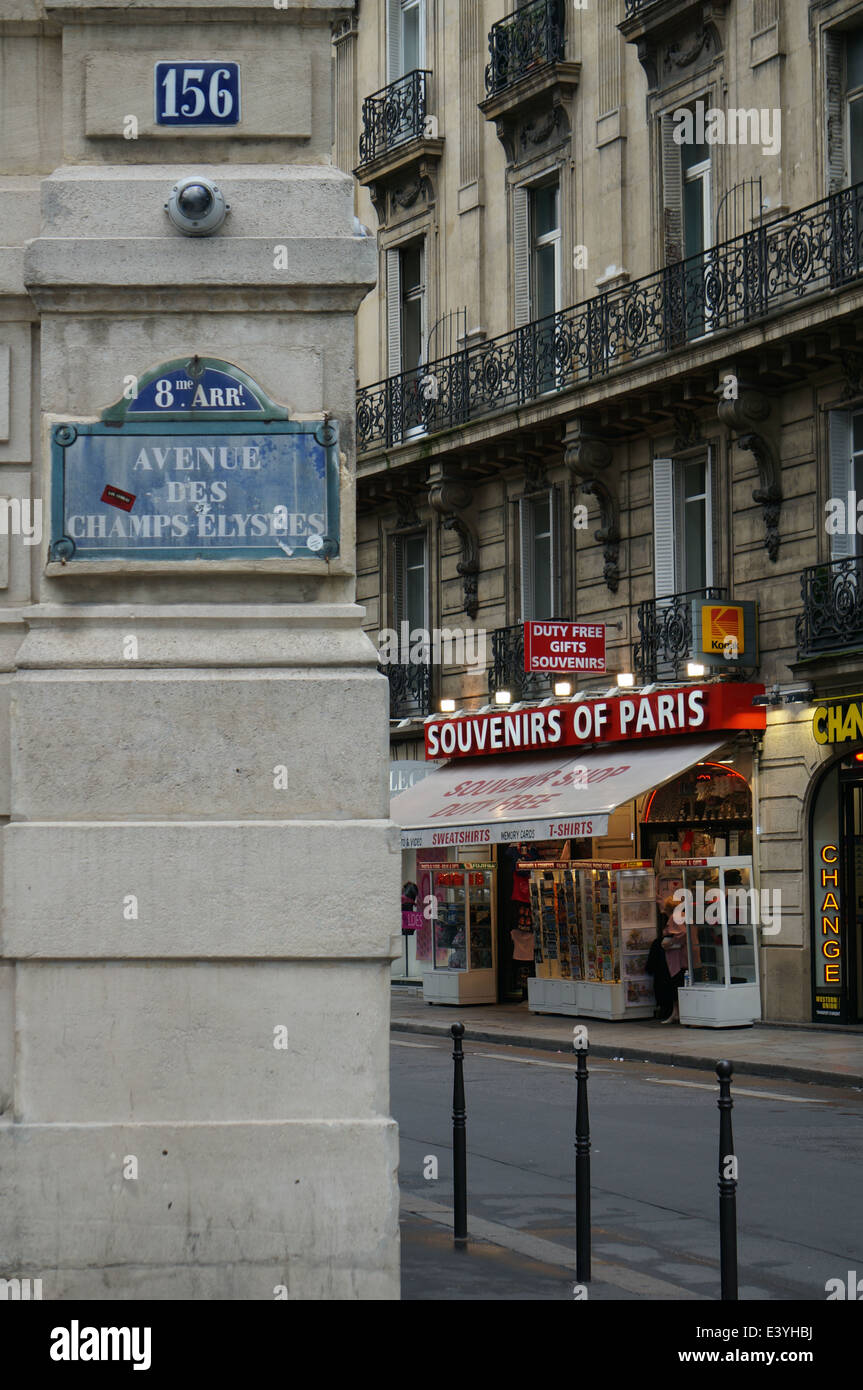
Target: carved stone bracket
(589, 459)
(407, 515)
(451, 496)
(852, 364)
(676, 36)
(535, 110)
(688, 428)
(401, 178)
(747, 416)
(534, 475)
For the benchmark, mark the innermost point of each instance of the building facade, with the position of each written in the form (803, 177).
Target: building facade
(620, 255)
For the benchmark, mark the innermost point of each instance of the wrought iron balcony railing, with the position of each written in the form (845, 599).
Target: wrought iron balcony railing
(507, 669)
(410, 689)
(634, 7)
(832, 617)
(394, 115)
(533, 36)
(665, 632)
(746, 278)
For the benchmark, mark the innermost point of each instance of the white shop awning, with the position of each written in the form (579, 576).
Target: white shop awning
(550, 796)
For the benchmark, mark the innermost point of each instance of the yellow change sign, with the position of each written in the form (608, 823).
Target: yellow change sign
(838, 723)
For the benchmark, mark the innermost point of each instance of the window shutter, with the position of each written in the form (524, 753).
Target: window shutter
(394, 40)
(672, 192)
(713, 549)
(663, 527)
(398, 582)
(554, 519)
(834, 100)
(394, 313)
(841, 477)
(525, 528)
(424, 353)
(521, 255)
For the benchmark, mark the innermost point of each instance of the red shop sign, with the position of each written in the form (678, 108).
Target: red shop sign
(564, 647)
(695, 709)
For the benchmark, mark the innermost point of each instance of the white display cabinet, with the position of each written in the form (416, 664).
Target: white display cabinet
(594, 923)
(463, 968)
(724, 989)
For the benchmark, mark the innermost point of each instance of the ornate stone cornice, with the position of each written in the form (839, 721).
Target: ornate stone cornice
(451, 496)
(747, 414)
(590, 460)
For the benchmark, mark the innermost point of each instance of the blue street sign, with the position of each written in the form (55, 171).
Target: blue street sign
(199, 464)
(212, 390)
(191, 92)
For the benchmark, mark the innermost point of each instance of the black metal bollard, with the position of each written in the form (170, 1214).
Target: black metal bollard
(582, 1159)
(727, 1187)
(459, 1137)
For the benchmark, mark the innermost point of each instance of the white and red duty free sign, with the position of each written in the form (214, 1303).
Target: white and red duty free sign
(564, 647)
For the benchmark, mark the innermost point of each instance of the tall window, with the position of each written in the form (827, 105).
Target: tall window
(846, 476)
(843, 94)
(412, 34)
(406, 307)
(545, 250)
(694, 525)
(538, 526)
(536, 250)
(854, 81)
(683, 525)
(413, 294)
(405, 37)
(686, 198)
(410, 587)
(695, 169)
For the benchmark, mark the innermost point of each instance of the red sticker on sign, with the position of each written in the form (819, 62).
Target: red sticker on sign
(116, 497)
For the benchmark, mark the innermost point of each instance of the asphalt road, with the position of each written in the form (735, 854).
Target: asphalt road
(654, 1137)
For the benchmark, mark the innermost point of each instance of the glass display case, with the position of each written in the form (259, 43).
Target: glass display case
(464, 960)
(594, 923)
(723, 987)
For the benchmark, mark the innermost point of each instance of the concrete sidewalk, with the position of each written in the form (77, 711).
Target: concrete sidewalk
(825, 1056)
(499, 1262)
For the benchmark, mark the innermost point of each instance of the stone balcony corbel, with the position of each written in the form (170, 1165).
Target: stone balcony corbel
(590, 460)
(451, 496)
(747, 413)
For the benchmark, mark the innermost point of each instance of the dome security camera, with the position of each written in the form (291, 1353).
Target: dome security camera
(196, 206)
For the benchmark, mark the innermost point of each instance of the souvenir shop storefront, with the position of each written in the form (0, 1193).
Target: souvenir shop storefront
(525, 845)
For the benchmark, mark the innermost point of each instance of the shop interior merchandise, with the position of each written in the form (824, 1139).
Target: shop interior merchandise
(707, 812)
(594, 923)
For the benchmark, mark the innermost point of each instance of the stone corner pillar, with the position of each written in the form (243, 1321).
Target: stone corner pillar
(199, 874)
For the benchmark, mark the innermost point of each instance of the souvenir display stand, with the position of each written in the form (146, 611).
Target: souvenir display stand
(722, 943)
(463, 968)
(594, 923)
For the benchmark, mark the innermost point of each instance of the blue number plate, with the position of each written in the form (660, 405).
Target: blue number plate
(197, 93)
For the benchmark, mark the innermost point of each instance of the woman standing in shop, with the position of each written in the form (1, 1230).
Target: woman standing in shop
(674, 946)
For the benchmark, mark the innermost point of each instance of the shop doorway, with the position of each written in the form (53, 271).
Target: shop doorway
(851, 813)
(836, 847)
